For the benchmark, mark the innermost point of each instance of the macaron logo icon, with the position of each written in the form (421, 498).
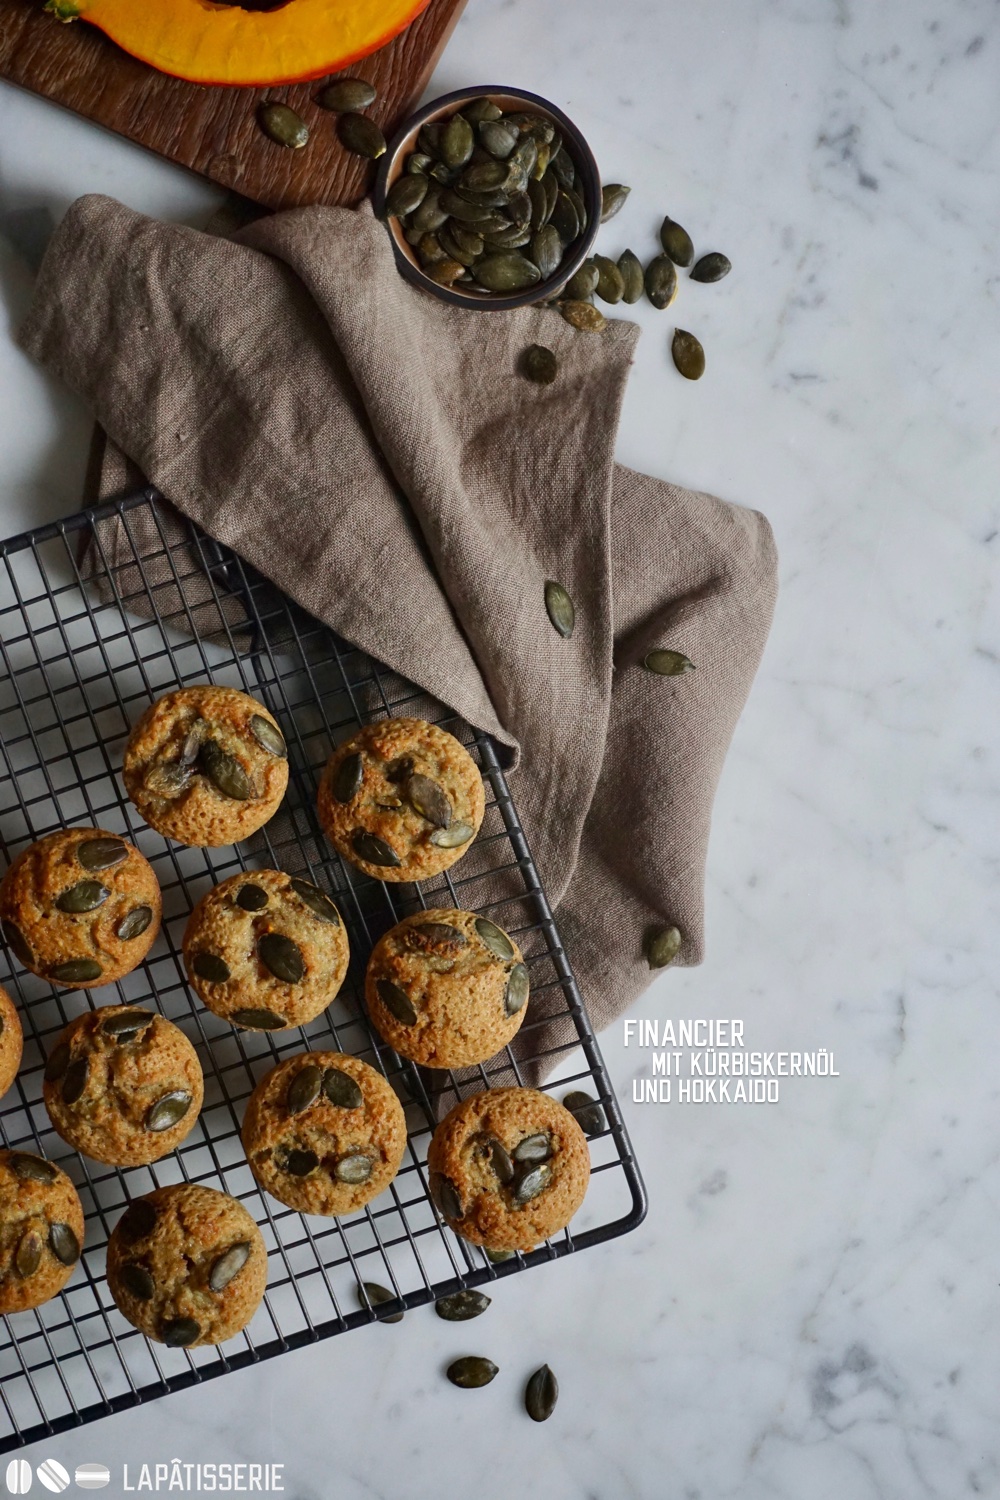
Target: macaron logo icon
(19, 1476)
(92, 1476)
(52, 1474)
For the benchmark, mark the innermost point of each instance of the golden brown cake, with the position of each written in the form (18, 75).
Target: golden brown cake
(324, 1133)
(402, 800)
(446, 988)
(81, 907)
(123, 1085)
(11, 1041)
(187, 1266)
(41, 1230)
(508, 1168)
(206, 765)
(266, 950)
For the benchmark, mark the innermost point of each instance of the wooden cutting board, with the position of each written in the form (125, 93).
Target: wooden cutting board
(214, 130)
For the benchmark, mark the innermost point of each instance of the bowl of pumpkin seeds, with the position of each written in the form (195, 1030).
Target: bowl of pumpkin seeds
(492, 197)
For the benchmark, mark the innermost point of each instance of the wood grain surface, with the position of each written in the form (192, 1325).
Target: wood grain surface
(214, 130)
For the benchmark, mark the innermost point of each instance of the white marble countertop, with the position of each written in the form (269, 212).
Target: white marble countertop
(811, 1309)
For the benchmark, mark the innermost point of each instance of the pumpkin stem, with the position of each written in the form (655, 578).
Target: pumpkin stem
(63, 10)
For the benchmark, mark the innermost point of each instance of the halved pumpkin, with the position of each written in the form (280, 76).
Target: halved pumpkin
(227, 43)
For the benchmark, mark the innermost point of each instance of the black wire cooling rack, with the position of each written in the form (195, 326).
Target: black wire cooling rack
(100, 614)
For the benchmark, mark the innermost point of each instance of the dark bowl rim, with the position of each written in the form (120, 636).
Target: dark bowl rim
(583, 156)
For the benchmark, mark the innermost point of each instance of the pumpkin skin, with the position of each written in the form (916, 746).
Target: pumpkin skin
(224, 44)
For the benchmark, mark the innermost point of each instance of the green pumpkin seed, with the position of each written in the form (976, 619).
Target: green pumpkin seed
(506, 272)
(613, 200)
(676, 242)
(562, 168)
(484, 176)
(101, 854)
(533, 1148)
(228, 1266)
(445, 1195)
(168, 1110)
(347, 94)
(539, 364)
(126, 1025)
(211, 968)
(446, 272)
(583, 283)
(661, 281)
(77, 971)
(429, 800)
(345, 783)
(541, 1395)
(500, 1162)
(429, 139)
(532, 1183)
(396, 1001)
(134, 923)
(283, 125)
(430, 215)
(180, 1333)
(468, 240)
(137, 1281)
(547, 250)
(513, 238)
(438, 938)
(481, 109)
(317, 901)
(516, 994)
(17, 943)
(711, 267)
(224, 772)
(342, 1090)
(524, 158)
(251, 897)
(583, 316)
(586, 1111)
(190, 747)
(64, 1244)
(406, 194)
(299, 1163)
(497, 1257)
(31, 1168)
(461, 1307)
(667, 663)
(551, 185)
(268, 736)
(452, 250)
(137, 1222)
(86, 895)
(457, 142)
(57, 1062)
(75, 1080)
(28, 1256)
(610, 282)
(373, 850)
(361, 135)
(463, 209)
(282, 957)
(257, 1019)
(564, 218)
(371, 1295)
(453, 837)
(417, 165)
(472, 1371)
(560, 608)
(630, 271)
(498, 137)
(662, 947)
(495, 939)
(354, 1169)
(167, 780)
(304, 1089)
(688, 355)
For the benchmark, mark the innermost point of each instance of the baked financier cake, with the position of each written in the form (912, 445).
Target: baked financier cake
(508, 1168)
(266, 950)
(187, 1266)
(324, 1133)
(402, 800)
(80, 907)
(446, 988)
(123, 1085)
(41, 1230)
(11, 1041)
(206, 765)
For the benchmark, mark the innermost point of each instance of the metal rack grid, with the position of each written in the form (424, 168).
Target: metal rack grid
(100, 614)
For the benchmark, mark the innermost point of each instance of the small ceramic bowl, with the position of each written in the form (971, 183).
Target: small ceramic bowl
(464, 294)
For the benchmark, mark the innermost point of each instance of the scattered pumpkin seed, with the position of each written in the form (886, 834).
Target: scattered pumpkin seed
(86, 895)
(613, 197)
(583, 283)
(126, 1025)
(168, 1110)
(224, 771)
(282, 956)
(283, 125)
(138, 1221)
(101, 854)
(298, 1162)
(495, 938)
(539, 364)
(373, 850)
(453, 837)
(583, 315)
(445, 1195)
(57, 1062)
(688, 355)
(317, 901)
(180, 1333)
(498, 1257)
(516, 993)
(31, 1168)
(371, 1295)
(560, 608)
(268, 736)
(251, 897)
(17, 943)
(541, 1394)
(711, 267)
(610, 283)
(429, 800)
(662, 947)
(472, 1371)
(229, 1265)
(77, 971)
(342, 1090)
(210, 967)
(667, 663)
(134, 923)
(304, 1089)
(396, 1001)
(676, 242)
(137, 1281)
(75, 1080)
(354, 1169)
(661, 281)
(586, 1111)
(532, 1183)
(28, 1256)
(347, 94)
(64, 1244)
(633, 282)
(361, 135)
(257, 1019)
(461, 1307)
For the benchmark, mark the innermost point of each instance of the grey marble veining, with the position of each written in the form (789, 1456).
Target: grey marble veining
(811, 1310)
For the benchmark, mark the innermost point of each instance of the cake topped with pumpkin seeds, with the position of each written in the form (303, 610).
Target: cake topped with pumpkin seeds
(81, 907)
(187, 1265)
(206, 765)
(123, 1085)
(266, 950)
(41, 1230)
(447, 988)
(402, 800)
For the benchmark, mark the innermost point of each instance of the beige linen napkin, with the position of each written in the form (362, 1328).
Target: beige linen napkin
(376, 454)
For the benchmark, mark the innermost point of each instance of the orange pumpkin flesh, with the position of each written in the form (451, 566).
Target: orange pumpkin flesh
(210, 43)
